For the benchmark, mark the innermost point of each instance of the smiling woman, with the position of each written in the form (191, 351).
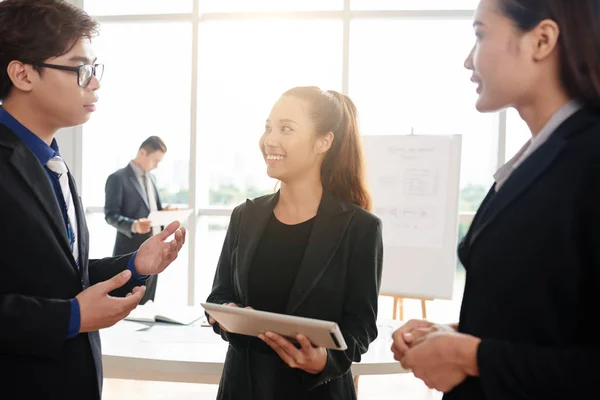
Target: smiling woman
(338, 159)
(312, 250)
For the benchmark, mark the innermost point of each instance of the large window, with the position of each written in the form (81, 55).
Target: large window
(211, 79)
(211, 234)
(413, 4)
(414, 79)
(240, 77)
(132, 7)
(268, 5)
(145, 91)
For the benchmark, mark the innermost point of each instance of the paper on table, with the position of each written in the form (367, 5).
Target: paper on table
(143, 313)
(163, 218)
(183, 315)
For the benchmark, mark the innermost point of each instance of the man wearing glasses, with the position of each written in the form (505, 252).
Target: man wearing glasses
(53, 299)
(85, 72)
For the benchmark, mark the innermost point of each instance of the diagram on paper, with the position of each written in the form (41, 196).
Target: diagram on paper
(411, 226)
(420, 182)
(410, 190)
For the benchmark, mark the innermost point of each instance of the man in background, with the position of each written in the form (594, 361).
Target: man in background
(131, 195)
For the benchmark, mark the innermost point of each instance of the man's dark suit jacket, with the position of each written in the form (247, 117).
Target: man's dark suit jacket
(125, 202)
(38, 278)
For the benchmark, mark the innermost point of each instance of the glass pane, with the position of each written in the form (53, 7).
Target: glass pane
(132, 7)
(517, 133)
(102, 236)
(210, 234)
(141, 96)
(420, 83)
(145, 91)
(243, 69)
(414, 4)
(171, 288)
(269, 5)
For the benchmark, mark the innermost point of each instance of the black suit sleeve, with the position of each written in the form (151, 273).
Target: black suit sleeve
(223, 286)
(113, 204)
(106, 268)
(38, 326)
(521, 371)
(509, 370)
(359, 321)
(32, 325)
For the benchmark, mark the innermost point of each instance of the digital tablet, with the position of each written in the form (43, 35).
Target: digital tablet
(253, 323)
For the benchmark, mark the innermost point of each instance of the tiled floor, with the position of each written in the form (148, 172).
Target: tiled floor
(383, 387)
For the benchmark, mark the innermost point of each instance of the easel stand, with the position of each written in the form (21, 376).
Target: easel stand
(398, 312)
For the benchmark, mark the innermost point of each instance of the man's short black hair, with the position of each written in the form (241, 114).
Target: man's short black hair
(32, 31)
(152, 144)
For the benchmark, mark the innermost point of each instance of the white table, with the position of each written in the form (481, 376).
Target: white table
(195, 354)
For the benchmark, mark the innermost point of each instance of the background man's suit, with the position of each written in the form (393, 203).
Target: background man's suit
(126, 201)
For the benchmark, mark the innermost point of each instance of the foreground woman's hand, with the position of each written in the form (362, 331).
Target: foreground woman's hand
(308, 358)
(443, 360)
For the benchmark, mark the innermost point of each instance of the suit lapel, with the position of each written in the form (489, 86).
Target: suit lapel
(520, 180)
(28, 166)
(136, 184)
(534, 167)
(329, 227)
(255, 219)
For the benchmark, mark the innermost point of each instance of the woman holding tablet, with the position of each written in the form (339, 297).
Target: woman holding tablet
(312, 250)
(532, 253)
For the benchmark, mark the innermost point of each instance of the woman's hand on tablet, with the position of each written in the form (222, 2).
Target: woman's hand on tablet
(308, 358)
(213, 321)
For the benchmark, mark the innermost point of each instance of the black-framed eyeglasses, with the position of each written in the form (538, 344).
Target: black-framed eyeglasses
(85, 73)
